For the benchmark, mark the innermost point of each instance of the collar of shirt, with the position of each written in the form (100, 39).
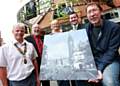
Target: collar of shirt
(19, 44)
(37, 36)
(75, 27)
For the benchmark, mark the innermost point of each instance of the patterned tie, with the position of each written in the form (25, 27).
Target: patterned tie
(40, 45)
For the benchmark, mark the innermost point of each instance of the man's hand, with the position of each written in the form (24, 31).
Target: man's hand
(3, 76)
(98, 78)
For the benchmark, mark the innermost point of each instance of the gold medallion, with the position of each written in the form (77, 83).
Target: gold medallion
(25, 61)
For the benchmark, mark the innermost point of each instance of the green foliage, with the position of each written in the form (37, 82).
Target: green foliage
(60, 12)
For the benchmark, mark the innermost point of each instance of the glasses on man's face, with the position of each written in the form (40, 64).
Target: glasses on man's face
(93, 11)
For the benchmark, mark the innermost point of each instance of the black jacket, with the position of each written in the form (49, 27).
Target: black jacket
(108, 43)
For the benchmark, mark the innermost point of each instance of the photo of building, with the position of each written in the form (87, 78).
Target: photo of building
(65, 57)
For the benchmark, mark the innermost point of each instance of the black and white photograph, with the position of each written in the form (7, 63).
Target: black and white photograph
(67, 56)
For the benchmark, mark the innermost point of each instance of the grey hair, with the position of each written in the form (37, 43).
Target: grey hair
(21, 25)
(35, 25)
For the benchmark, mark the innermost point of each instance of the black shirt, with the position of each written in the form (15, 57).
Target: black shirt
(94, 36)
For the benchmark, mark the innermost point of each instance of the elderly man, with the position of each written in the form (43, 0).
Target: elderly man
(19, 58)
(37, 40)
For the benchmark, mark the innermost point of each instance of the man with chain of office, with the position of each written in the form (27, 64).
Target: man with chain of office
(19, 58)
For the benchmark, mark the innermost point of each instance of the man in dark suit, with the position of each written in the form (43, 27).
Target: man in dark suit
(75, 21)
(37, 40)
(76, 24)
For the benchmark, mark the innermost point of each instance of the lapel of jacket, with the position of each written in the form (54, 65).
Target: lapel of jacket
(34, 42)
(78, 27)
(101, 31)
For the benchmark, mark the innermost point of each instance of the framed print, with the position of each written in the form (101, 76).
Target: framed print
(67, 56)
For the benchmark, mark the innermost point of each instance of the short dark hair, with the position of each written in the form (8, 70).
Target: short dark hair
(94, 3)
(73, 12)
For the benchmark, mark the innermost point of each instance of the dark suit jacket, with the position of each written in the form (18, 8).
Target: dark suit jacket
(31, 39)
(108, 43)
(80, 26)
(69, 27)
